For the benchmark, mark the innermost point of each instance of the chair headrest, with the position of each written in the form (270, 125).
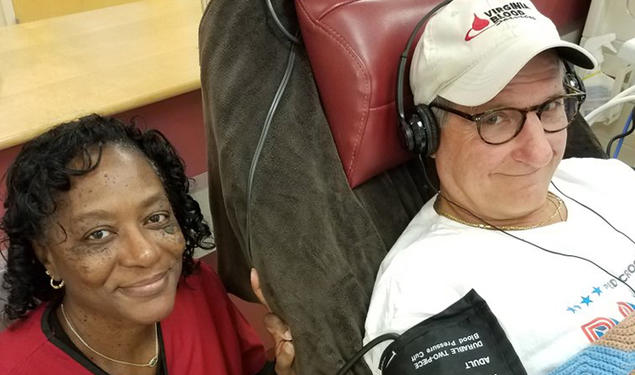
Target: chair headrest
(354, 48)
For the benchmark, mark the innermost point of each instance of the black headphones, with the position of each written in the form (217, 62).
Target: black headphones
(419, 131)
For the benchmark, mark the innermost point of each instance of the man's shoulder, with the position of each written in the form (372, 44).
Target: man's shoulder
(597, 175)
(423, 255)
(413, 246)
(582, 168)
(431, 237)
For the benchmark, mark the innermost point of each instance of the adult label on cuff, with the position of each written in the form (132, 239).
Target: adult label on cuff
(465, 338)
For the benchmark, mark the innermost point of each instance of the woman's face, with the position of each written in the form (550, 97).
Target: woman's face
(115, 242)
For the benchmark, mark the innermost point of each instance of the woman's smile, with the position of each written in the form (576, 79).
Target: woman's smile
(148, 287)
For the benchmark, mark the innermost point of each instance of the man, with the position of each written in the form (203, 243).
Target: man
(492, 72)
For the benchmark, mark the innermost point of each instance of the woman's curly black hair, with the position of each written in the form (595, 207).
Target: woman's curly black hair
(40, 173)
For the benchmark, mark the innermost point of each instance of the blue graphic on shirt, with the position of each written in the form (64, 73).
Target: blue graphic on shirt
(585, 301)
(574, 308)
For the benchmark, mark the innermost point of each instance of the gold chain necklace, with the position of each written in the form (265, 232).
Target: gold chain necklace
(550, 196)
(151, 363)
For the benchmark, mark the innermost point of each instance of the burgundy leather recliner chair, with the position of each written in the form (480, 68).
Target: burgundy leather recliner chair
(328, 189)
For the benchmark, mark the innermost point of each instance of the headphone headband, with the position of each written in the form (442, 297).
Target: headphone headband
(403, 59)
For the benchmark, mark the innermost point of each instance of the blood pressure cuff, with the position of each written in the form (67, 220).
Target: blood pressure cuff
(465, 338)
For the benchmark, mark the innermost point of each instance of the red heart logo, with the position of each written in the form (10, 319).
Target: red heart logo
(479, 23)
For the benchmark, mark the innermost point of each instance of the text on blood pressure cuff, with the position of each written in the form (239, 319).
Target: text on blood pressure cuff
(465, 338)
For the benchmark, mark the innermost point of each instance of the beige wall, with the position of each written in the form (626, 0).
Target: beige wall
(33, 10)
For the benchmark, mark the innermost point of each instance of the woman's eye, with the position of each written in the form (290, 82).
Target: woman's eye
(99, 235)
(157, 218)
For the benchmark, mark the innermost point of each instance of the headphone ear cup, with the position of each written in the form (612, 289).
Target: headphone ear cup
(415, 124)
(426, 134)
(407, 138)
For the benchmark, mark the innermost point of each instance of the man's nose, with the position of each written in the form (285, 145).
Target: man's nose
(533, 147)
(139, 250)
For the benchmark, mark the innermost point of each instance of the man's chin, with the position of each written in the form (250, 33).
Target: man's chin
(520, 206)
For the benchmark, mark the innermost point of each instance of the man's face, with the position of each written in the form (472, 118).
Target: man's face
(507, 181)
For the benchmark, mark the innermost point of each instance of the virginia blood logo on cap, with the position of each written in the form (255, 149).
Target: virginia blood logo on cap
(496, 16)
(478, 26)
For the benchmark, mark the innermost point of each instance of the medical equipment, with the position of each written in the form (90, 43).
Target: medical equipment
(599, 85)
(626, 54)
(625, 132)
(465, 338)
(610, 24)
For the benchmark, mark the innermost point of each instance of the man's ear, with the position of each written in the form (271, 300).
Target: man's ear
(255, 286)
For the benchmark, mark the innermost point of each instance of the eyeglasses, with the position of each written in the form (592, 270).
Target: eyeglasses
(500, 125)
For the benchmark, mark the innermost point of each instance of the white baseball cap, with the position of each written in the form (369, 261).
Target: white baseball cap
(471, 49)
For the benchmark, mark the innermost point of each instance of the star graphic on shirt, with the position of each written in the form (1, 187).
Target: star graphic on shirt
(571, 309)
(597, 290)
(586, 300)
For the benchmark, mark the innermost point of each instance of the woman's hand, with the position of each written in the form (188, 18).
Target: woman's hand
(279, 331)
(283, 348)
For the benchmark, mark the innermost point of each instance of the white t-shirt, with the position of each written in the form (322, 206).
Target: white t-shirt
(550, 306)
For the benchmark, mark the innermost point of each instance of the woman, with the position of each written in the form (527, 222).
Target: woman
(101, 231)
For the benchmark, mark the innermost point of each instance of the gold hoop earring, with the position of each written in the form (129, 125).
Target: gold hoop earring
(59, 285)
